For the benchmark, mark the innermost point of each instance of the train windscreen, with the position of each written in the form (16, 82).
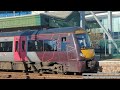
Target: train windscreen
(83, 40)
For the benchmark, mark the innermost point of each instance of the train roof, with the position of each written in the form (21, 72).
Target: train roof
(33, 32)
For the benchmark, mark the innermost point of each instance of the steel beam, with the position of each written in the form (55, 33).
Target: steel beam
(110, 29)
(82, 19)
(106, 31)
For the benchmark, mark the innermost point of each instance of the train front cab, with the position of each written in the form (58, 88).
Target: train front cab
(86, 52)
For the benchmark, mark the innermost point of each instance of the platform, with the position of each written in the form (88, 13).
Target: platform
(110, 65)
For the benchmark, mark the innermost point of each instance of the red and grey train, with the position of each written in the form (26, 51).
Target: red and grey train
(57, 50)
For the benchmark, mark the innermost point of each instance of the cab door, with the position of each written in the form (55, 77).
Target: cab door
(20, 52)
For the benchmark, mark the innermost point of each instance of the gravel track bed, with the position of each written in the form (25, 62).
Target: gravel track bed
(21, 75)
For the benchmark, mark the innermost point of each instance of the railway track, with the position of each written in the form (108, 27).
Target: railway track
(101, 75)
(21, 75)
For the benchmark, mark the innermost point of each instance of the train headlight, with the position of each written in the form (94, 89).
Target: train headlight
(81, 55)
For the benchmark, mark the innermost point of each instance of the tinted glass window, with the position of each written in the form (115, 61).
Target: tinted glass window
(83, 40)
(6, 46)
(31, 45)
(50, 45)
(40, 45)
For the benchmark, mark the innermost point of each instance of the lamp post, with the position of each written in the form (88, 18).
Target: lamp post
(110, 30)
(82, 19)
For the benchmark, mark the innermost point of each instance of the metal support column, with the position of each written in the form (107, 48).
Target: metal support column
(82, 19)
(106, 31)
(13, 13)
(105, 42)
(110, 29)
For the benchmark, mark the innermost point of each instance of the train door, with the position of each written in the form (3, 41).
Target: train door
(72, 49)
(63, 53)
(20, 48)
(67, 48)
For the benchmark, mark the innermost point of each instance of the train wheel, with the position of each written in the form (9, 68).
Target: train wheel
(58, 69)
(65, 73)
(75, 73)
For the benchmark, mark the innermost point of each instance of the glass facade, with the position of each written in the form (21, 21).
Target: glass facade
(102, 42)
(95, 28)
(13, 13)
(115, 26)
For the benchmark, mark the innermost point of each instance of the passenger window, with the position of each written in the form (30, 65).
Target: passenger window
(6, 46)
(40, 45)
(35, 45)
(31, 45)
(50, 45)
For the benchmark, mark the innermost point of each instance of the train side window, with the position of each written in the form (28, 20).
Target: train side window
(31, 45)
(55, 45)
(6, 46)
(40, 45)
(50, 45)
(63, 44)
(23, 45)
(16, 46)
(1, 47)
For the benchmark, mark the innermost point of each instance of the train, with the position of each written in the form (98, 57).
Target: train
(55, 50)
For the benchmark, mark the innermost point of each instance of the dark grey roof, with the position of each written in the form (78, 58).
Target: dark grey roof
(60, 30)
(28, 32)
